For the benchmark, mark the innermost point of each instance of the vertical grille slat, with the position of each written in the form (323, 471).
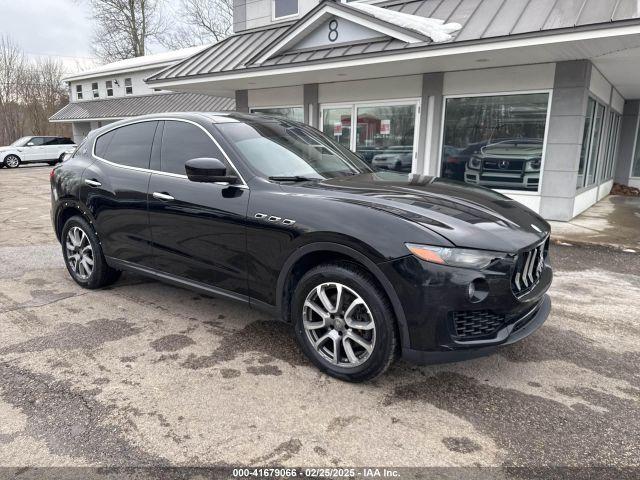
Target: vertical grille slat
(528, 269)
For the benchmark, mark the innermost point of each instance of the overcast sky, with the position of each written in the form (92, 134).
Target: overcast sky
(51, 27)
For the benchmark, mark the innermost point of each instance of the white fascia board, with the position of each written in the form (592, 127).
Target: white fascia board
(434, 51)
(307, 27)
(119, 71)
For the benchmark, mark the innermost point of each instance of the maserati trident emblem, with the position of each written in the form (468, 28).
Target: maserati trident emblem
(503, 164)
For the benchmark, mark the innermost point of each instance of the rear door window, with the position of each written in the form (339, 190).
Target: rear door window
(183, 141)
(129, 145)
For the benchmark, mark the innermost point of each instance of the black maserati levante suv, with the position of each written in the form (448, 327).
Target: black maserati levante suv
(364, 264)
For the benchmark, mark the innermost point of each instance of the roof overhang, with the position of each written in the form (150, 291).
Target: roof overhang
(596, 43)
(328, 10)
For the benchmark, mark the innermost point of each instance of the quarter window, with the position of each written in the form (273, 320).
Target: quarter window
(128, 87)
(79, 92)
(183, 141)
(284, 8)
(495, 141)
(109, 85)
(129, 145)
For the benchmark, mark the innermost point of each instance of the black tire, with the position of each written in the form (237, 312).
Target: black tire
(10, 161)
(361, 282)
(101, 274)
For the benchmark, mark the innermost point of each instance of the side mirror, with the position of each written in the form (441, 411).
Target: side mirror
(208, 170)
(30, 144)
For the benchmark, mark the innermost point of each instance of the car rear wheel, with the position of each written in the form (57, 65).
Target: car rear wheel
(83, 255)
(344, 322)
(11, 161)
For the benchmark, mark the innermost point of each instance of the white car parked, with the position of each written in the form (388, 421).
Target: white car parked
(35, 149)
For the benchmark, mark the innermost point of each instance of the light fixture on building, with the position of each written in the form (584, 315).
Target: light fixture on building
(116, 82)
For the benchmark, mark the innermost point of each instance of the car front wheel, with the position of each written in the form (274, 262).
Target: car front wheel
(11, 161)
(83, 255)
(344, 322)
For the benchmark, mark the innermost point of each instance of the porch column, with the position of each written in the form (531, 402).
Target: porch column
(242, 101)
(430, 125)
(564, 139)
(311, 106)
(628, 137)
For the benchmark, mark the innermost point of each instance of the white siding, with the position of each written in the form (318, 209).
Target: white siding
(374, 89)
(276, 97)
(137, 81)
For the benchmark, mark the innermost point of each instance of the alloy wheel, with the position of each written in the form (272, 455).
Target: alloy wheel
(339, 324)
(12, 161)
(79, 253)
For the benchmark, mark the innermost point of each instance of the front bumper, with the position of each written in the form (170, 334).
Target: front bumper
(510, 336)
(433, 296)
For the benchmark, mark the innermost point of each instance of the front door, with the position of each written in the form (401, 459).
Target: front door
(198, 229)
(32, 151)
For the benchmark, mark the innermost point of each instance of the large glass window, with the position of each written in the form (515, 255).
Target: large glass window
(129, 145)
(612, 146)
(384, 136)
(284, 8)
(635, 170)
(591, 144)
(495, 141)
(292, 113)
(336, 124)
(181, 142)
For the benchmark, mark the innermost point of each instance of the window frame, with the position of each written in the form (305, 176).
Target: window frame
(79, 92)
(128, 89)
(548, 91)
(159, 172)
(416, 101)
(108, 84)
(633, 151)
(584, 187)
(284, 17)
(95, 89)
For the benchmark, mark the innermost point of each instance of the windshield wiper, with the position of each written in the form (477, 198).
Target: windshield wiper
(294, 178)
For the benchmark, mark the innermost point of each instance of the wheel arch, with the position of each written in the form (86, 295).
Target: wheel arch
(314, 254)
(11, 154)
(68, 209)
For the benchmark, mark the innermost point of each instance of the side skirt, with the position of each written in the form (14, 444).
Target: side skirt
(189, 284)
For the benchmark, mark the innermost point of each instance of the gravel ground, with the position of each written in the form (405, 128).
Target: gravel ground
(144, 373)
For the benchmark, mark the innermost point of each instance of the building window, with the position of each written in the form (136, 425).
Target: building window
(78, 92)
(591, 141)
(383, 135)
(94, 89)
(109, 85)
(495, 141)
(128, 87)
(292, 113)
(612, 145)
(635, 169)
(285, 8)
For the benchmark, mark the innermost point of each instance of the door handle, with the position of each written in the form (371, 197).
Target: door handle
(163, 196)
(92, 183)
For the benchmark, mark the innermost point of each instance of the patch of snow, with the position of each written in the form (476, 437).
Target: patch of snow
(435, 29)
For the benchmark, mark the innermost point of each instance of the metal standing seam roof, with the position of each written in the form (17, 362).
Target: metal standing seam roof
(132, 106)
(480, 19)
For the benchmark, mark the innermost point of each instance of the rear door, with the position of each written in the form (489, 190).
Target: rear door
(115, 190)
(50, 148)
(198, 229)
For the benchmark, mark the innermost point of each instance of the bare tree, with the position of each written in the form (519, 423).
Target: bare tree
(123, 27)
(202, 21)
(12, 76)
(43, 94)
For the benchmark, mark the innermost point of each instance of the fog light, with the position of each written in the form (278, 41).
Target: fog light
(478, 290)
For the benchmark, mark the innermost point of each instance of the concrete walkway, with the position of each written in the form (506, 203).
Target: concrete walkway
(614, 221)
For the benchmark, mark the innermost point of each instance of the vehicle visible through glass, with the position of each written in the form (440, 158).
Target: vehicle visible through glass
(283, 150)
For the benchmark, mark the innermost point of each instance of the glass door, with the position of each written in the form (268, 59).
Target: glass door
(336, 124)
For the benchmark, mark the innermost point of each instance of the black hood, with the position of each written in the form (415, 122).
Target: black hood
(467, 216)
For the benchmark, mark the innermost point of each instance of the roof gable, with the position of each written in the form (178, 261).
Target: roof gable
(332, 23)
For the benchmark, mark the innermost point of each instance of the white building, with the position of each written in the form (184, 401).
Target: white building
(117, 90)
(536, 98)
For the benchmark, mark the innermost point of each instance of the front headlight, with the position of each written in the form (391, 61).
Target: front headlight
(456, 257)
(475, 163)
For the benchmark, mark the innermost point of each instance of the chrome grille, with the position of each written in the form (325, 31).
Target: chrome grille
(529, 266)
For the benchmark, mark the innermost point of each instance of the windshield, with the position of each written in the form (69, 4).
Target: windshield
(286, 149)
(21, 142)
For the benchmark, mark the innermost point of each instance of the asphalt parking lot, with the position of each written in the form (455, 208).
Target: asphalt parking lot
(147, 374)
